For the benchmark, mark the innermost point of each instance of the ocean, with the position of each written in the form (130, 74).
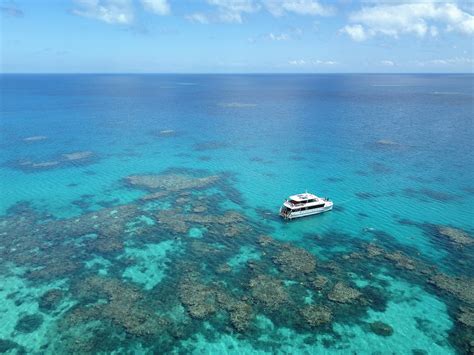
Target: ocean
(139, 214)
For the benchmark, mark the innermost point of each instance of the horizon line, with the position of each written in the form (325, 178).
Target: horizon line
(233, 73)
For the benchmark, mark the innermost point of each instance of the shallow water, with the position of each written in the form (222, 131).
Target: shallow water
(88, 255)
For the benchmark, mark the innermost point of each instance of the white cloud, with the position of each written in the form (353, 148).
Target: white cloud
(309, 62)
(231, 11)
(456, 61)
(324, 62)
(198, 17)
(278, 36)
(388, 63)
(408, 18)
(109, 11)
(356, 32)
(291, 34)
(159, 7)
(301, 7)
(297, 62)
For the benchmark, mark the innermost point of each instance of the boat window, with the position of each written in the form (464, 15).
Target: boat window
(316, 206)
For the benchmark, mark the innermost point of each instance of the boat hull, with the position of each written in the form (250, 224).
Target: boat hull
(299, 214)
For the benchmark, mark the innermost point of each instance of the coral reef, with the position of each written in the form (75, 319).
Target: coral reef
(315, 315)
(381, 328)
(125, 306)
(466, 316)
(35, 138)
(170, 182)
(374, 251)
(455, 235)
(167, 132)
(204, 290)
(199, 299)
(266, 240)
(50, 300)
(202, 301)
(223, 268)
(241, 315)
(75, 156)
(319, 282)
(155, 196)
(229, 224)
(342, 293)
(387, 142)
(400, 260)
(61, 161)
(29, 323)
(8, 346)
(295, 261)
(461, 288)
(268, 291)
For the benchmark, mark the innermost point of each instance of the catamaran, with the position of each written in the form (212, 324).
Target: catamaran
(306, 204)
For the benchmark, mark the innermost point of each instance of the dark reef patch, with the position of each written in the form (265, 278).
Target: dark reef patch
(60, 161)
(419, 179)
(50, 300)
(334, 179)
(7, 346)
(468, 189)
(423, 194)
(210, 145)
(384, 145)
(381, 328)
(458, 243)
(85, 202)
(366, 195)
(29, 323)
(380, 168)
(261, 160)
(362, 172)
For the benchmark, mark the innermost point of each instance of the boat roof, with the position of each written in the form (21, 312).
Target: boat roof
(303, 197)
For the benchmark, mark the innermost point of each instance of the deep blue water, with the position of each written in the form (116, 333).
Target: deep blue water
(394, 153)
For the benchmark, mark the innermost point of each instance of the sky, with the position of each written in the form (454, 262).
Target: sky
(236, 36)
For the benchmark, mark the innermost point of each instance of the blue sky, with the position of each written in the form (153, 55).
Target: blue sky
(222, 36)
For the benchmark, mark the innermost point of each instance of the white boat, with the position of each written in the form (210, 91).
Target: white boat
(302, 205)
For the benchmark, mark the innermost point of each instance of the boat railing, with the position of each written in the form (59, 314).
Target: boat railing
(305, 203)
(296, 204)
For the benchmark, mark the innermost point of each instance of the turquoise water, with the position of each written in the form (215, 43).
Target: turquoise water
(136, 212)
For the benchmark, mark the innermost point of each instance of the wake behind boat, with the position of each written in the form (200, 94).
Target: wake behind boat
(302, 205)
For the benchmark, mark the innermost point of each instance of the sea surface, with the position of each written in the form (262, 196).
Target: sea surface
(139, 214)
